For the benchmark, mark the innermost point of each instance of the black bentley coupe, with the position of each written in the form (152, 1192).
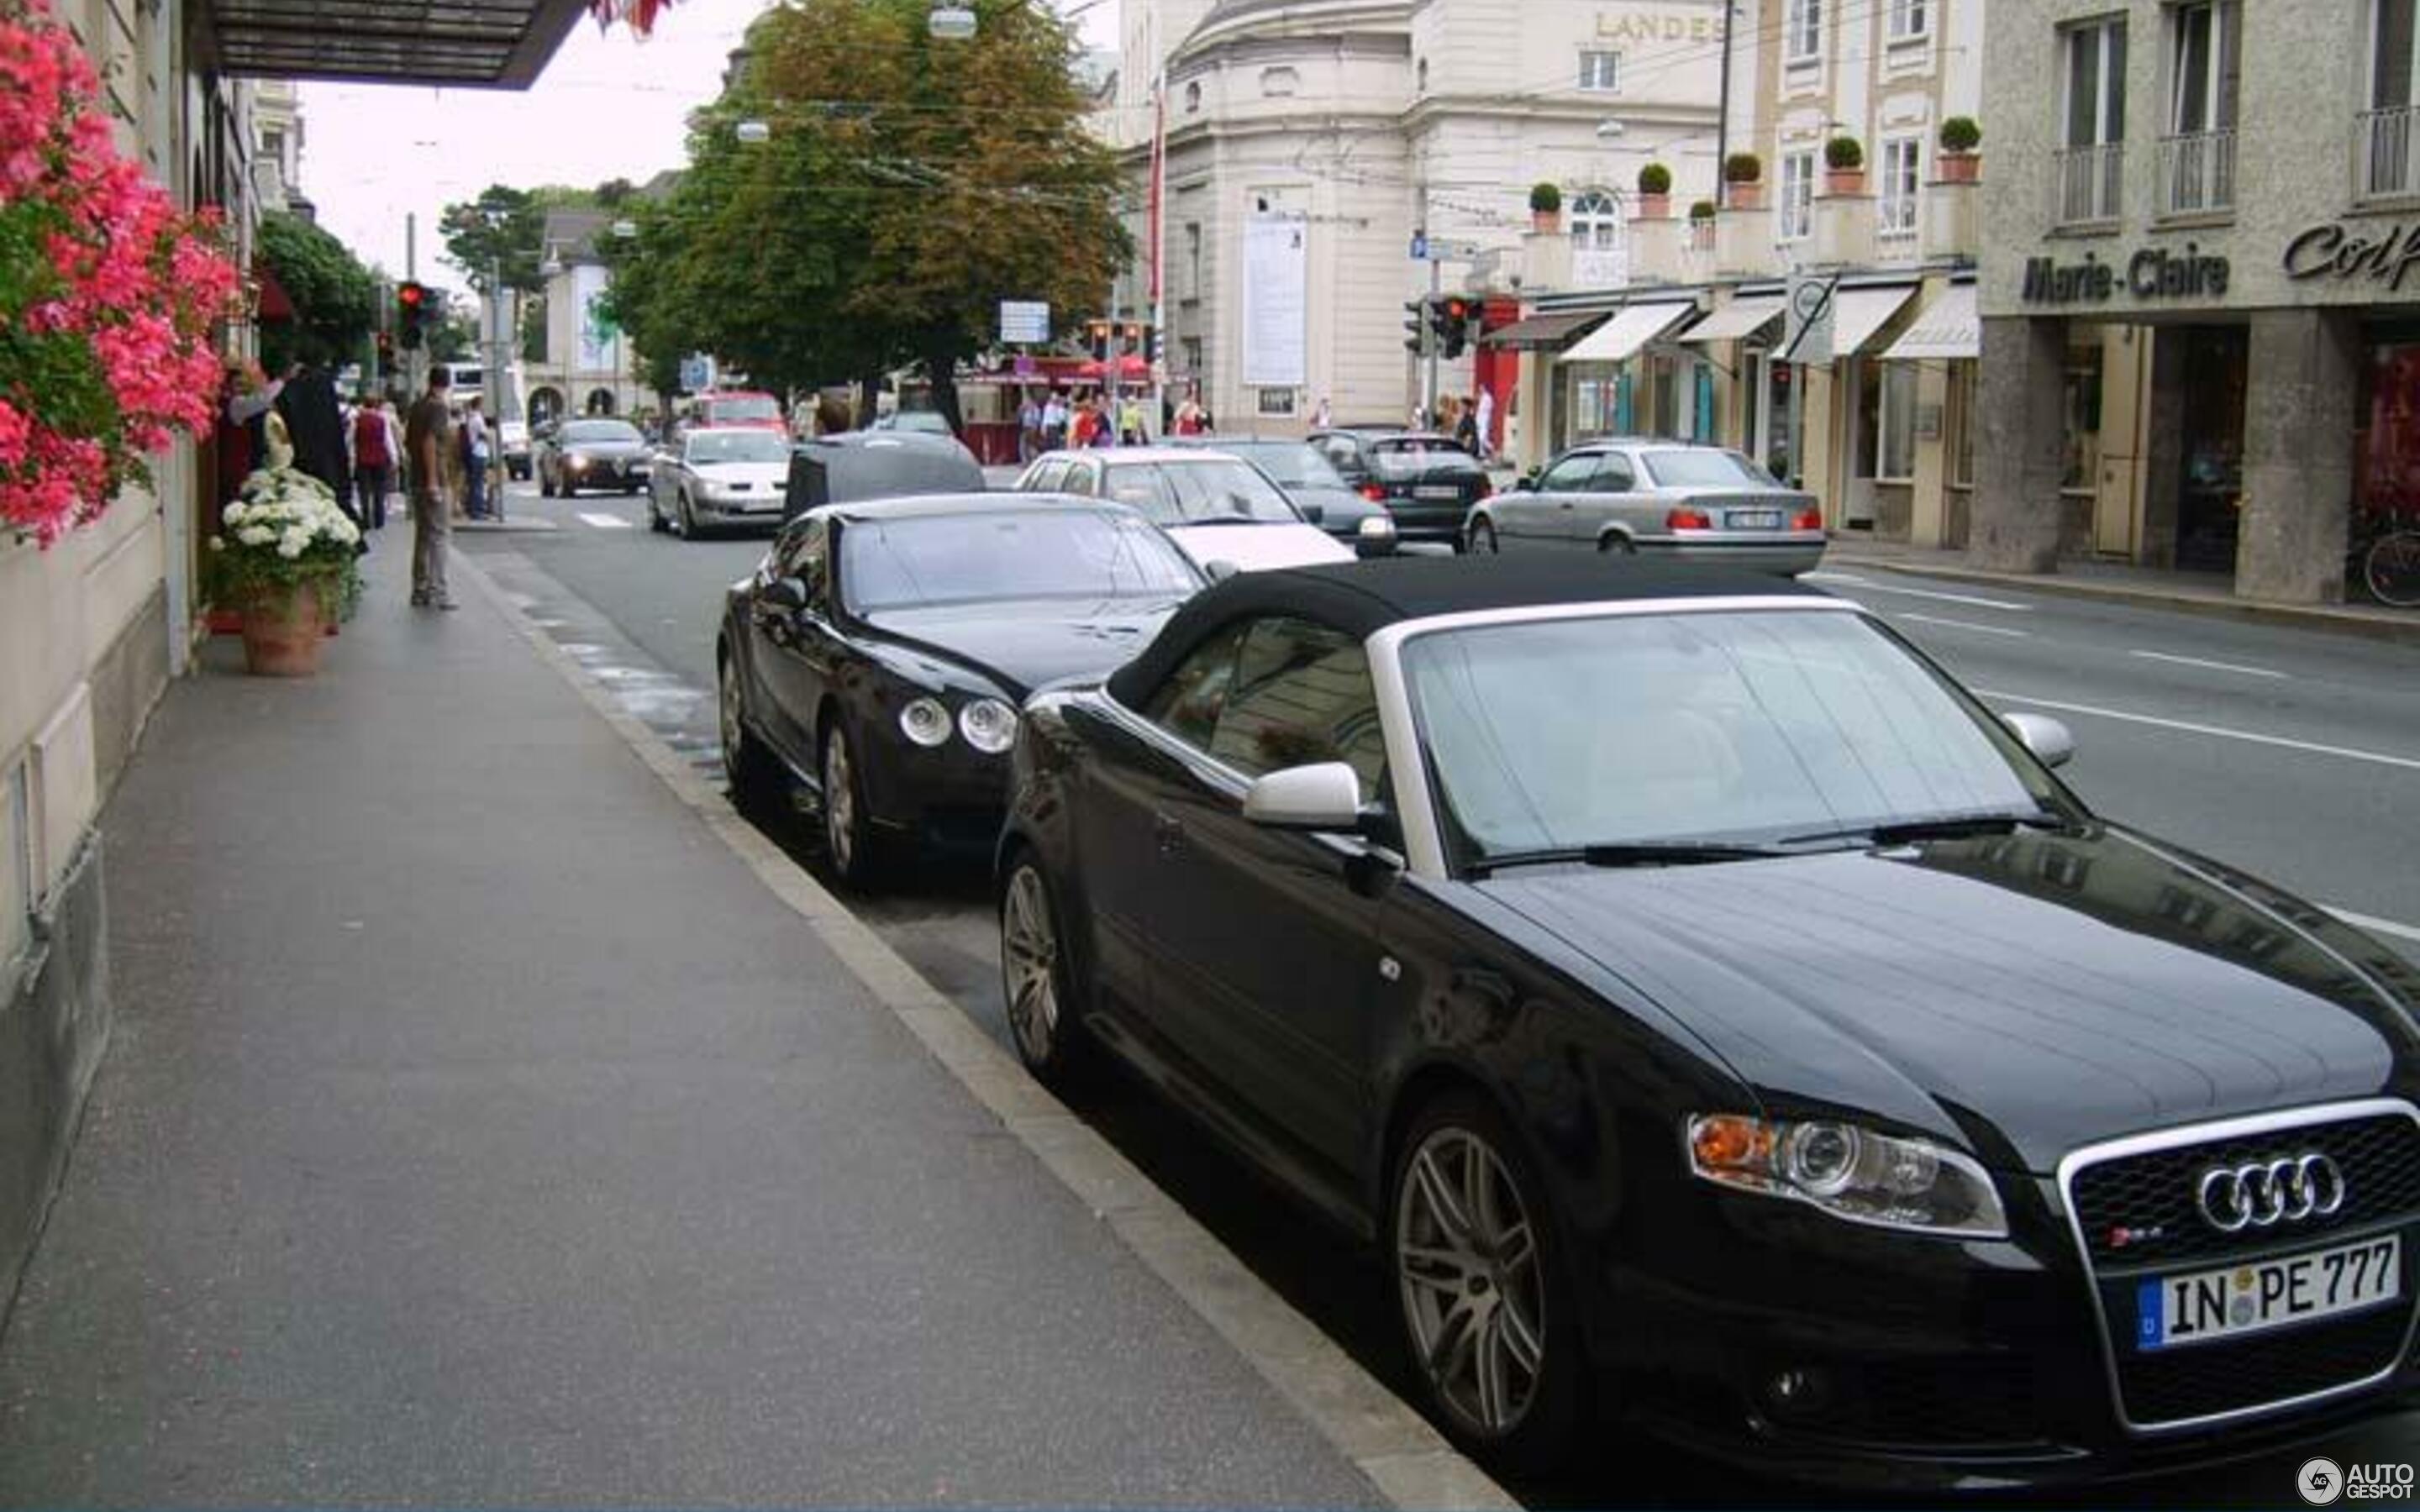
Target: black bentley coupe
(879, 651)
(1717, 1016)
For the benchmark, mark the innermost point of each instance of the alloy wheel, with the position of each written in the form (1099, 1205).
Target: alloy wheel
(1483, 539)
(735, 735)
(840, 803)
(1467, 1262)
(1029, 962)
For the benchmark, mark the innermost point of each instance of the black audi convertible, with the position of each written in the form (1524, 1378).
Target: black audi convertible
(879, 651)
(1718, 1017)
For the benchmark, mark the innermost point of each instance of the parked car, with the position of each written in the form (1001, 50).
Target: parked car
(591, 453)
(853, 466)
(1427, 482)
(1312, 483)
(721, 409)
(878, 653)
(1715, 1013)
(513, 436)
(1666, 498)
(728, 477)
(923, 423)
(1217, 507)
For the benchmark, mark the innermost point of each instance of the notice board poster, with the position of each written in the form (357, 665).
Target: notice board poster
(1277, 302)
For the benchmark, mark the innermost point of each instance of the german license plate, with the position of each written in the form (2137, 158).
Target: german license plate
(2231, 1301)
(1755, 520)
(1431, 491)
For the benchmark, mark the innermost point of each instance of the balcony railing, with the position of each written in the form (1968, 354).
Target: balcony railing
(2389, 169)
(2087, 183)
(2198, 173)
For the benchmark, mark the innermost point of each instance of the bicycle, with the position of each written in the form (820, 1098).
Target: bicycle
(2387, 551)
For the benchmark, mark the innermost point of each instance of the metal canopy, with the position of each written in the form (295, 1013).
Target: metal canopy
(1947, 329)
(1633, 328)
(1544, 333)
(460, 43)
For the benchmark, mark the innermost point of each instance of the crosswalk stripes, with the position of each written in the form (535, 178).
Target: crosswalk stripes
(605, 522)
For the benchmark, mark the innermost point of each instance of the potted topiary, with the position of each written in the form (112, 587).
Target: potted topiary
(1702, 210)
(1546, 207)
(1844, 165)
(1744, 179)
(1958, 162)
(1654, 192)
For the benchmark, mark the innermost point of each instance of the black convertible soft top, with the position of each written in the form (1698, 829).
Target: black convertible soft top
(1362, 598)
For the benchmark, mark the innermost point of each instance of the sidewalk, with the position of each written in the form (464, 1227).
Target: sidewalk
(2190, 593)
(479, 1130)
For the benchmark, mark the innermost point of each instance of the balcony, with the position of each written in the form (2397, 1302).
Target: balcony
(2197, 174)
(2387, 166)
(2086, 189)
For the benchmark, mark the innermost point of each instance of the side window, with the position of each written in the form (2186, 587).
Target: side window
(1049, 477)
(1570, 476)
(806, 556)
(1613, 475)
(1187, 704)
(1340, 451)
(1302, 694)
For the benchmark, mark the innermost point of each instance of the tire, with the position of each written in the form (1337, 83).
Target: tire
(654, 520)
(1482, 538)
(1477, 1291)
(683, 525)
(746, 764)
(1616, 545)
(849, 843)
(2391, 567)
(545, 485)
(1038, 986)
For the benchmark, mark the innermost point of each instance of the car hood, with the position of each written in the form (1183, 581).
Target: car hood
(2023, 994)
(1023, 644)
(1258, 548)
(611, 451)
(767, 474)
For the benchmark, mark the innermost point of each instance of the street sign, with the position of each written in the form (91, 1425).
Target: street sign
(1806, 326)
(1419, 246)
(1024, 321)
(697, 373)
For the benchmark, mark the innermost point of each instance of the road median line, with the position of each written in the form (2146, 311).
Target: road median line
(1400, 1454)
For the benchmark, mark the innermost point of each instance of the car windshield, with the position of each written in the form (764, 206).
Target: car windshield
(1208, 491)
(1412, 455)
(738, 446)
(761, 407)
(601, 433)
(1736, 727)
(1705, 468)
(1292, 464)
(1008, 554)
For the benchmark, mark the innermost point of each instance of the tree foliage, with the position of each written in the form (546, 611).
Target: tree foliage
(906, 186)
(334, 298)
(505, 228)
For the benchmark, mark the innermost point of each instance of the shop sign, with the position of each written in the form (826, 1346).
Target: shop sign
(1645, 26)
(2151, 273)
(2329, 249)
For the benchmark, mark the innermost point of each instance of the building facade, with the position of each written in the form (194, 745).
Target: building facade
(2202, 318)
(589, 368)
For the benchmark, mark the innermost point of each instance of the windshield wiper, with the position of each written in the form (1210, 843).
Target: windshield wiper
(1943, 827)
(1642, 852)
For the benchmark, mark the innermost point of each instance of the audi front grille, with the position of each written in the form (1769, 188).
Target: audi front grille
(2135, 1205)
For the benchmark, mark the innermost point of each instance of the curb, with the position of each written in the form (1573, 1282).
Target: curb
(1396, 1449)
(2391, 625)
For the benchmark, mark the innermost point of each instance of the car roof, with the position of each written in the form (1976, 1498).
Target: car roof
(1364, 597)
(931, 505)
(696, 431)
(1142, 453)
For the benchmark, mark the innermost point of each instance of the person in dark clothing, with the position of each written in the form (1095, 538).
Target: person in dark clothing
(316, 425)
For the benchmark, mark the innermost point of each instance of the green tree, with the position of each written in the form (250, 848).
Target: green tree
(503, 229)
(334, 298)
(454, 336)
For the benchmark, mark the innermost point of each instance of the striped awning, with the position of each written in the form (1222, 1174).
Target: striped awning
(1947, 329)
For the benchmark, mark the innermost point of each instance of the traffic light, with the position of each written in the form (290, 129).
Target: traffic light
(1415, 326)
(1454, 315)
(411, 313)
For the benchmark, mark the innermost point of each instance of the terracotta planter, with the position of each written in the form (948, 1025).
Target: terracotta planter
(1546, 223)
(1844, 181)
(283, 632)
(1653, 206)
(1745, 196)
(1958, 167)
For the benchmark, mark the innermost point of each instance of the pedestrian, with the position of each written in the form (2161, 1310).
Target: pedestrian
(1188, 414)
(428, 440)
(1055, 420)
(832, 416)
(1486, 423)
(1130, 431)
(1466, 425)
(1080, 423)
(1322, 416)
(1028, 429)
(374, 455)
(475, 461)
(315, 423)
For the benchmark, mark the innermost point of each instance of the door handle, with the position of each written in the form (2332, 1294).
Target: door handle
(1168, 834)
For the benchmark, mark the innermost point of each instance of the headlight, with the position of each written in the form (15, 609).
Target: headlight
(925, 723)
(575, 461)
(1851, 1172)
(989, 726)
(1377, 527)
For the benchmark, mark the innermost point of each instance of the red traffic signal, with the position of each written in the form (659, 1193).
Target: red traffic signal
(410, 297)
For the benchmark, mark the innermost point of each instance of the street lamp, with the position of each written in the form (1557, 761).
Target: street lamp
(752, 131)
(951, 21)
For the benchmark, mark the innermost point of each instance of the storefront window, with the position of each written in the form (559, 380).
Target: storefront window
(1593, 403)
(1895, 423)
(2386, 450)
(2082, 406)
(1962, 388)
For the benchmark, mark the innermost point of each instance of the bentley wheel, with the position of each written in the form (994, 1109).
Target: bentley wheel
(848, 838)
(1043, 1015)
(1487, 1316)
(745, 763)
(1482, 538)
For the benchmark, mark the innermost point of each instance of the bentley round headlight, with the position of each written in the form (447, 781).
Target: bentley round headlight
(989, 726)
(925, 723)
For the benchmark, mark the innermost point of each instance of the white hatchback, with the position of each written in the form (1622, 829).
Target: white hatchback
(1218, 508)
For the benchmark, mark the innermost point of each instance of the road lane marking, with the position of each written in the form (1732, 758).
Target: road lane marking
(1832, 577)
(607, 523)
(1973, 599)
(2381, 926)
(2213, 666)
(1963, 624)
(2316, 749)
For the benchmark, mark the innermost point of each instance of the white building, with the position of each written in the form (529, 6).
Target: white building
(1352, 124)
(590, 369)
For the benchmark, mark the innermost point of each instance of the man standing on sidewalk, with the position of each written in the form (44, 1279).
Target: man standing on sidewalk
(428, 439)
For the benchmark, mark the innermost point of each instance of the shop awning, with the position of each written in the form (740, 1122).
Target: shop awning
(1859, 313)
(465, 43)
(1544, 333)
(1741, 318)
(1947, 329)
(1619, 339)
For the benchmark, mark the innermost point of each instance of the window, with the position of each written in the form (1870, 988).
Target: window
(1596, 220)
(1424, 76)
(1801, 31)
(805, 556)
(2395, 36)
(1192, 290)
(2096, 83)
(1894, 421)
(1187, 704)
(1192, 98)
(1276, 83)
(2080, 407)
(1903, 171)
(1963, 385)
(1047, 477)
(1613, 475)
(2205, 66)
(1601, 71)
(1910, 19)
(1797, 207)
(1300, 694)
(1275, 403)
(1570, 476)
(1191, 346)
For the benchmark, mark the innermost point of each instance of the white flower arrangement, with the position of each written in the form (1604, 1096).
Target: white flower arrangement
(284, 528)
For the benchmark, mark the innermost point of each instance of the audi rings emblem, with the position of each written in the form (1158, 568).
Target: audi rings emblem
(2265, 1194)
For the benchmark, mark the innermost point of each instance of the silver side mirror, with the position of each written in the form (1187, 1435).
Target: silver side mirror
(1326, 796)
(2046, 737)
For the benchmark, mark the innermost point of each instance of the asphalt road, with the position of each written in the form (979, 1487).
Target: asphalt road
(2294, 754)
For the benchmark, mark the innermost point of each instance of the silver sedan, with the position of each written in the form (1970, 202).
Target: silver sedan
(1667, 500)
